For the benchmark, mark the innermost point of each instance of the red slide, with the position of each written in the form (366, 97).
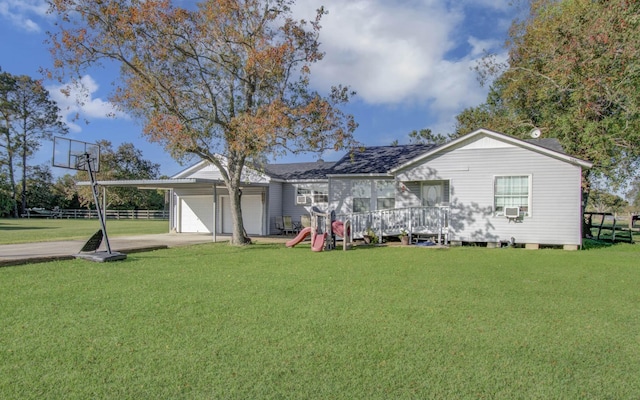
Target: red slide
(301, 236)
(318, 242)
(338, 228)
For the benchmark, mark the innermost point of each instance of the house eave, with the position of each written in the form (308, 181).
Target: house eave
(319, 180)
(165, 184)
(498, 136)
(367, 176)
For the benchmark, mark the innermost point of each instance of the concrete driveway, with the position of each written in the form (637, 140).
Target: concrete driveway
(26, 253)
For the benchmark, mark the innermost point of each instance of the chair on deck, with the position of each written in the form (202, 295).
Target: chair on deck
(288, 225)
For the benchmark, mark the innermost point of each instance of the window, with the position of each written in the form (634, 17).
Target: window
(385, 195)
(315, 193)
(512, 191)
(435, 193)
(321, 194)
(361, 193)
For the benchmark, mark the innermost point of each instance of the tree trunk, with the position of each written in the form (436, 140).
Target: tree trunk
(586, 191)
(239, 236)
(9, 163)
(14, 187)
(23, 191)
(586, 227)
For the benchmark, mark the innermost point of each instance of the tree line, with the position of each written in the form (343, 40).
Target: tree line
(30, 118)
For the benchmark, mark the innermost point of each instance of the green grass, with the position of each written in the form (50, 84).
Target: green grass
(40, 230)
(265, 322)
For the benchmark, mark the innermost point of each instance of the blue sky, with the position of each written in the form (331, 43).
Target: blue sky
(410, 62)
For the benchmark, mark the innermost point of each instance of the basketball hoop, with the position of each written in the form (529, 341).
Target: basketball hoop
(83, 156)
(76, 155)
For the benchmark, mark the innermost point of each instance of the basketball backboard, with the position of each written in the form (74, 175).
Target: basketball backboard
(74, 154)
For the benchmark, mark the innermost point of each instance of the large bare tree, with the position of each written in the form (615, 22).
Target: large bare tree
(227, 81)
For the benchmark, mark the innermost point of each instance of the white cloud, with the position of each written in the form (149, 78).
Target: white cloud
(22, 12)
(398, 52)
(479, 46)
(502, 5)
(76, 101)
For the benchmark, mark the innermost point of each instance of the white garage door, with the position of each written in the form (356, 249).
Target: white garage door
(251, 214)
(196, 214)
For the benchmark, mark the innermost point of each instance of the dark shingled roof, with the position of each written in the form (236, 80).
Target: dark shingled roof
(369, 160)
(307, 170)
(547, 143)
(378, 159)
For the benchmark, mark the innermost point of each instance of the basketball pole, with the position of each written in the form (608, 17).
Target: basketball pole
(94, 189)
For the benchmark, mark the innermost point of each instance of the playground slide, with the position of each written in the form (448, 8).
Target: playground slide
(301, 236)
(318, 242)
(338, 228)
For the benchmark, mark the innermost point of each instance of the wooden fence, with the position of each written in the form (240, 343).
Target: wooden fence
(611, 226)
(84, 213)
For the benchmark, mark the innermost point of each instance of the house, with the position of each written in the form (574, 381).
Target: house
(482, 187)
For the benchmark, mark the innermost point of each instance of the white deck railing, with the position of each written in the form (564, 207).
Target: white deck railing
(413, 220)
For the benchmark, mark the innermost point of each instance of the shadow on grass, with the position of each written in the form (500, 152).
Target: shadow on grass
(4, 227)
(592, 244)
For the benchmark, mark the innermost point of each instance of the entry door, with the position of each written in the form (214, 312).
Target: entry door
(432, 193)
(251, 214)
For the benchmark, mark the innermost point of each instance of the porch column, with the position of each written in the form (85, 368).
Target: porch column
(215, 196)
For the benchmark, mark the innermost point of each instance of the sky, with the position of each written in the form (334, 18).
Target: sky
(410, 62)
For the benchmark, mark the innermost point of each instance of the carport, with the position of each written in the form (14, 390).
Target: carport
(201, 205)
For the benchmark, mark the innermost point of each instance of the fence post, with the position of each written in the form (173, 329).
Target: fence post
(410, 224)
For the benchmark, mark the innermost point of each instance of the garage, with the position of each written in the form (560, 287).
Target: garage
(196, 214)
(251, 214)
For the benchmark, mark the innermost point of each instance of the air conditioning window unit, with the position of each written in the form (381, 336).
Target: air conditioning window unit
(512, 212)
(301, 199)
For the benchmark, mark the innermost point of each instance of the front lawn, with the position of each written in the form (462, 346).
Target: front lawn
(39, 229)
(266, 322)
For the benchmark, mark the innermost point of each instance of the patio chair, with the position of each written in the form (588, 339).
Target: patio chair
(280, 225)
(288, 225)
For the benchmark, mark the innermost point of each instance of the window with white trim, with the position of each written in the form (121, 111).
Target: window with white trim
(512, 191)
(361, 195)
(315, 193)
(435, 193)
(385, 195)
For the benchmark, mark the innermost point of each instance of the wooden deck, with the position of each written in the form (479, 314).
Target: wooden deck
(415, 221)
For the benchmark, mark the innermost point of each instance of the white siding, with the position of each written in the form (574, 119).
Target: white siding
(555, 197)
(340, 195)
(289, 206)
(274, 206)
(206, 170)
